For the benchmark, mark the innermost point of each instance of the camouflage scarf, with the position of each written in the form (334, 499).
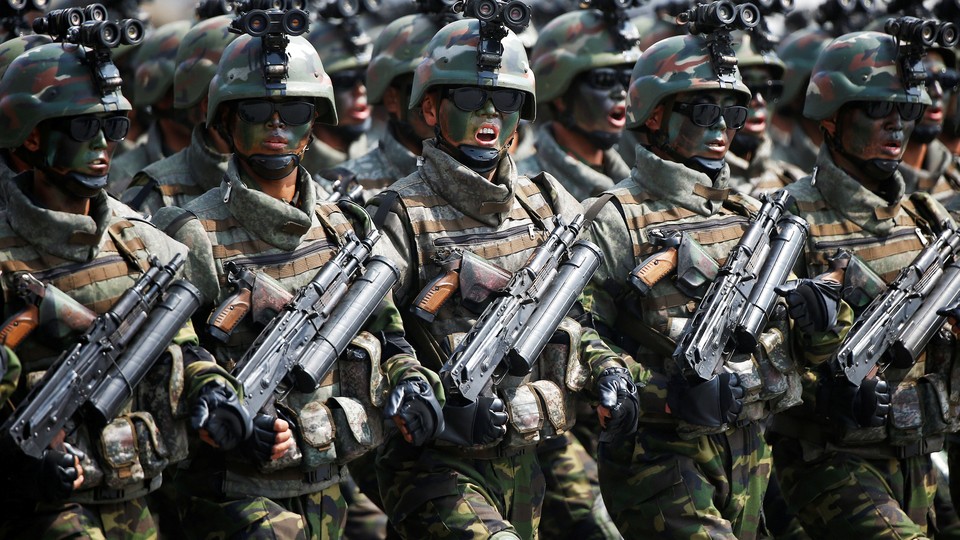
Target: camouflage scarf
(673, 183)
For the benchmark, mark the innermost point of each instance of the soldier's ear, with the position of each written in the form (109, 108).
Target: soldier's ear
(32, 142)
(655, 119)
(430, 106)
(829, 125)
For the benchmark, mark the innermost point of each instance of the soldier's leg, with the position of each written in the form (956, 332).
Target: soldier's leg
(838, 495)
(53, 521)
(572, 503)
(365, 517)
(129, 519)
(324, 512)
(254, 517)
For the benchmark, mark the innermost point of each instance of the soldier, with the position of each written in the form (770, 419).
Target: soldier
(60, 225)
(170, 131)
(482, 479)
(753, 170)
(698, 466)
(10, 164)
(270, 217)
(582, 63)
(845, 467)
(191, 172)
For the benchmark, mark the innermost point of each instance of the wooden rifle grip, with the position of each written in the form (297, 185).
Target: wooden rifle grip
(19, 326)
(656, 267)
(232, 312)
(438, 292)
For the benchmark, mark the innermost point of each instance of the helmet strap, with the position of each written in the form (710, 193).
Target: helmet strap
(403, 131)
(79, 185)
(265, 166)
(661, 140)
(875, 168)
(477, 158)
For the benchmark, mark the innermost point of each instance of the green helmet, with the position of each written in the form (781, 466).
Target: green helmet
(340, 50)
(571, 44)
(749, 56)
(861, 66)
(657, 28)
(13, 48)
(451, 59)
(671, 66)
(240, 76)
(50, 81)
(197, 59)
(155, 63)
(799, 52)
(398, 51)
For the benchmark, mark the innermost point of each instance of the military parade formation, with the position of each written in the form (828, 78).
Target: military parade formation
(470, 269)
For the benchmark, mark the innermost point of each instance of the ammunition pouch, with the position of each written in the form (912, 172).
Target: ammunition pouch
(696, 269)
(860, 285)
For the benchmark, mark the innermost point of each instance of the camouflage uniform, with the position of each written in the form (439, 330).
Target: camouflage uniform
(762, 174)
(939, 176)
(382, 166)
(320, 156)
(873, 482)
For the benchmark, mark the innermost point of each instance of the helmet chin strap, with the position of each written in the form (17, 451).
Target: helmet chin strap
(271, 166)
(710, 167)
(876, 168)
(353, 132)
(477, 158)
(925, 134)
(82, 186)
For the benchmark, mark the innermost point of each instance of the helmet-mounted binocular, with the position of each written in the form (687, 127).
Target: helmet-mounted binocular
(721, 15)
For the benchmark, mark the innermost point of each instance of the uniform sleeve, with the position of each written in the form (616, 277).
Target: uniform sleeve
(199, 269)
(395, 245)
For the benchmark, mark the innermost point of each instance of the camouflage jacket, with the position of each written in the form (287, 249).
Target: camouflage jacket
(578, 178)
(527, 145)
(149, 149)
(320, 155)
(762, 174)
(94, 259)
(178, 179)
(382, 166)
(627, 147)
(939, 175)
(796, 149)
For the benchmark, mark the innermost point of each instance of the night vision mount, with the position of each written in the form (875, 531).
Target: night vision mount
(90, 29)
(914, 37)
(845, 16)
(715, 21)
(273, 26)
(763, 39)
(12, 12)
(344, 15)
(615, 13)
(495, 17)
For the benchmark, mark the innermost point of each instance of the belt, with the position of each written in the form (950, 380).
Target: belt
(321, 474)
(883, 449)
(133, 491)
(497, 452)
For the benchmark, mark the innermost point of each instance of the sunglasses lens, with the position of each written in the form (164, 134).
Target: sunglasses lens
(625, 74)
(84, 128)
(878, 109)
(255, 112)
(469, 99)
(115, 128)
(602, 78)
(507, 100)
(296, 113)
(911, 111)
(705, 114)
(735, 117)
(346, 80)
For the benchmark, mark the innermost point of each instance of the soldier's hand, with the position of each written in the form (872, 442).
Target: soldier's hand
(219, 418)
(415, 410)
(619, 405)
(271, 439)
(813, 304)
(866, 405)
(474, 424)
(710, 403)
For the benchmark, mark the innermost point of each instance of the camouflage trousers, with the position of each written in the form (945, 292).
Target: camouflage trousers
(365, 520)
(432, 492)
(661, 486)
(572, 507)
(128, 519)
(839, 495)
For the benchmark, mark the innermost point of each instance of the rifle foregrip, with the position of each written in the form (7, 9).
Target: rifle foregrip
(653, 269)
(435, 295)
(224, 320)
(19, 326)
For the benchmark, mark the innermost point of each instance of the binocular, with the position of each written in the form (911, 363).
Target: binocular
(719, 15)
(12, 8)
(513, 14)
(924, 32)
(260, 22)
(89, 27)
(769, 7)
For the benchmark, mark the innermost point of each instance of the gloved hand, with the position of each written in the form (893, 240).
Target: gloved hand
(415, 410)
(619, 405)
(711, 403)
(271, 439)
(52, 477)
(219, 418)
(813, 304)
(866, 405)
(475, 424)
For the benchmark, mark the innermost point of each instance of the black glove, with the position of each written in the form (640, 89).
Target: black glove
(852, 406)
(416, 410)
(217, 410)
(260, 445)
(813, 303)
(618, 398)
(49, 478)
(475, 424)
(711, 403)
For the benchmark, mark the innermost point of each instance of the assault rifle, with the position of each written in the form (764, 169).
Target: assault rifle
(101, 371)
(898, 324)
(738, 303)
(514, 328)
(44, 306)
(314, 328)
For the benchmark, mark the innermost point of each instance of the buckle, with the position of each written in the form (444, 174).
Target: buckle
(320, 474)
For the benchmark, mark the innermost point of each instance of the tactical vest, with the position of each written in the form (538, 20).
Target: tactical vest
(541, 404)
(922, 408)
(650, 326)
(763, 174)
(341, 419)
(381, 166)
(125, 459)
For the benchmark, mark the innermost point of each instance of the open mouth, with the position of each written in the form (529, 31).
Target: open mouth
(934, 113)
(618, 116)
(360, 111)
(891, 148)
(717, 146)
(100, 165)
(487, 135)
(756, 124)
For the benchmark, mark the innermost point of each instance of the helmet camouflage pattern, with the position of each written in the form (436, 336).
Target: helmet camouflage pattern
(197, 59)
(155, 63)
(657, 28)
(13, 48)
(799, 51)
(676, 64)
(50, 81)
(240, 76)
(861, 66)
(451, 59)
(749, 56)
(397, 51)
(333, 44)
(571, 44)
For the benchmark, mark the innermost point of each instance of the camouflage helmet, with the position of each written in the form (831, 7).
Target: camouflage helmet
(13, 48)
(397, 51)
(340, 51)
(50, 81)
(799, 51)
(240, 76)
(197, 59)
(657, 28)
(155, 63)
(748, 55)
(861, 66)
(571, 44)
(674, 65)
(451, 59)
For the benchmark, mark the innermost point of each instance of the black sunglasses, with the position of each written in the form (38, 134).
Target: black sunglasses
(85, 128)
(470, 98)
(948, 79)
(882, 109)
(769, 90)
(708, 114)
(346, 80)
(292, 113)
(608, 77)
